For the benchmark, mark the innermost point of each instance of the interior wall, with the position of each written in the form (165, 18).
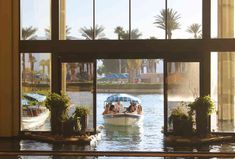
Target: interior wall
(9, 68)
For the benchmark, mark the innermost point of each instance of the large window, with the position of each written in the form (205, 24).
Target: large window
(141, 79)
(184, 22)
(112, 19)
(147, 26)
(183, 85)
(76, 19)
(35, 19)
(35, 86)
(164, 67)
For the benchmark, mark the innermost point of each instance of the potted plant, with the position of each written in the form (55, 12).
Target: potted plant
(181, 120)
(58, 105)
(81, 113)
(203, 106)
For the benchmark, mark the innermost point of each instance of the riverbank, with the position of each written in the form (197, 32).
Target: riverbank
(145, 88)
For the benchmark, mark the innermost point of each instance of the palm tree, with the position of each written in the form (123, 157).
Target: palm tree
(43, 64)
(28, 33)
(135, 34)
(32, 61)
(195, 29)
(48, 31)
(171, 22)
(133, 68)
(88, 32)
(48, 65)
(119, 30)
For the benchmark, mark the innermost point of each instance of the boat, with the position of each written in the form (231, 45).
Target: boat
(123, 117)
(34, 114)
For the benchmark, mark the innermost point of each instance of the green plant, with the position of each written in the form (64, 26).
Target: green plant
(181, 120)
(180, 113)
(203, 107)
(204, 102)
(80, 111)
(58, 105)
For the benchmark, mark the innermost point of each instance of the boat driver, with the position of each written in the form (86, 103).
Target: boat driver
(119, 107)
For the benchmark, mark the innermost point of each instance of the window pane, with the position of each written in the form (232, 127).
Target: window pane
(183, 85)
(35, 19)
(35, 85)
(143, 17)
(185, 19)
(77, 83)
(112, 19)
(223, 91)
(222, 19)
(124, 80)
(76, 19)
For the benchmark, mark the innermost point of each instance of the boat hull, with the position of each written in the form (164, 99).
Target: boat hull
(122, 119)
(28, 123)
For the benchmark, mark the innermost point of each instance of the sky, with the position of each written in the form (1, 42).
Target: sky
(113, 13)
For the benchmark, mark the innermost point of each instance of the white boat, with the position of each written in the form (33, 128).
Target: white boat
(123, 118)
(33, 116)
(32, 122)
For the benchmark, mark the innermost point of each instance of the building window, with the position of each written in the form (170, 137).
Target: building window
(35, 86)
(35, 19)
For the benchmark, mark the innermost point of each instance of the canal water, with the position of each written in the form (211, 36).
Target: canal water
(147, 136)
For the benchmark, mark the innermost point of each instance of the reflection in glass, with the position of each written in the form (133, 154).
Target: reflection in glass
(77, 82)
(143, 79)
(222, 19)
(184, 22)
(112, 18)
(223, 91)
(183, 84)
(143, 18)
(76, 18)
(35, 85)
(35, 19)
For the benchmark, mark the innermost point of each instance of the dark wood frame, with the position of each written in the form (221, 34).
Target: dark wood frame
(176, 50)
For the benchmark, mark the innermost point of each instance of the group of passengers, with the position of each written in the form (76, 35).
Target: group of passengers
(134, 108)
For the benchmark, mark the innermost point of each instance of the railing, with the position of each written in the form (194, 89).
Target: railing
(117, 154)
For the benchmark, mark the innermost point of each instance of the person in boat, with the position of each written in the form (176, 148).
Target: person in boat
(119, 107)
(112, 109)
(132, 108)
(106, 109)
(139, 109)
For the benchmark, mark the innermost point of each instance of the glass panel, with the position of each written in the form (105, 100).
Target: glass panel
(77, 83)
(223, 91)
(119, 82)
(35, 85)
(35, 19)
(76, 19)
(222, 19)
(143, 18)
(183, 85)
(112, 19)
(184, 22)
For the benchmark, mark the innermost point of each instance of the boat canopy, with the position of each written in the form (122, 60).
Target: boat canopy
(24, 102)
(123, 98)
(35, 97)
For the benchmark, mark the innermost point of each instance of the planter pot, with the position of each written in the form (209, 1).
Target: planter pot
(202, 121)
(182, 127)
(83, 123)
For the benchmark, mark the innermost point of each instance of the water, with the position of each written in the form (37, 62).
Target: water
(145, 137)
